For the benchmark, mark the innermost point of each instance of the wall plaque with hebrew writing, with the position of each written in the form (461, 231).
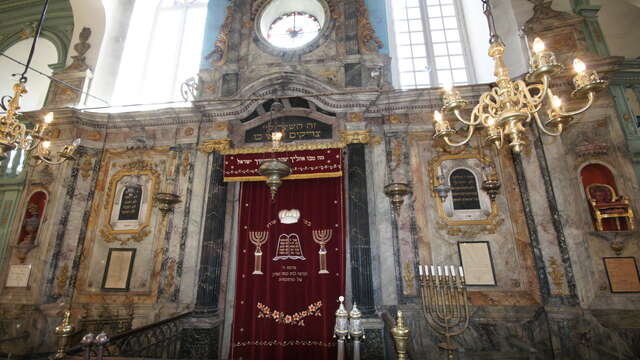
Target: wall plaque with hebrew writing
(294, 127)
(18, 276)
(464, 190)
(477, 263)
(117, 272)
(622, 273)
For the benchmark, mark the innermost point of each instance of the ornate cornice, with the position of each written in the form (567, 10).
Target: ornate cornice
(284, 148)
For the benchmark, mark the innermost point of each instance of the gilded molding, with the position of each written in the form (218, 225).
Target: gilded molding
(355, 136)
(283, 148)
(219, 145)
(367, 39)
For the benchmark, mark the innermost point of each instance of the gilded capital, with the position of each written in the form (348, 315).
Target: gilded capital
(218, 145)
(356, 136)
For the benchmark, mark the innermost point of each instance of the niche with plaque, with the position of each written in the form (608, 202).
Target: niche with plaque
(466, 203)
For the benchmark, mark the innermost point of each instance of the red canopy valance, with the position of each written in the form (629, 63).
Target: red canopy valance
(305, 164)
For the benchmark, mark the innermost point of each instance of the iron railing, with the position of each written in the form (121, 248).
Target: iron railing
(166, 339)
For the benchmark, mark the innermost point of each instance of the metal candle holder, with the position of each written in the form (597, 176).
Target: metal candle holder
(444, 302)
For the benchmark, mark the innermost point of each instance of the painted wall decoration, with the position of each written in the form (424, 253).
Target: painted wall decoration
(31, 222)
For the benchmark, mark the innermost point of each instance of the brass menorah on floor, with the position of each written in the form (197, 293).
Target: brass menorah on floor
(444, 302)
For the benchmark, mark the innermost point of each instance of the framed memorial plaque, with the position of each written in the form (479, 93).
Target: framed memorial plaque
(117, 272)
(18, 276)
(475, 257)
(622, 273)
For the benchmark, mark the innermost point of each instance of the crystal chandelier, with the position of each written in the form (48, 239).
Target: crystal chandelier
(509, 107)
(16, 135)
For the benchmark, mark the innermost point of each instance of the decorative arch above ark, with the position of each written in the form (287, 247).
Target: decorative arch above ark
(466, 203)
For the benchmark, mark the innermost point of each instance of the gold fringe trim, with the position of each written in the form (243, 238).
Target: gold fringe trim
(283, 148)
(290, 177)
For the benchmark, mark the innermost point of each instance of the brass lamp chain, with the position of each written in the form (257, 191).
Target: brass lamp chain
(493, 33)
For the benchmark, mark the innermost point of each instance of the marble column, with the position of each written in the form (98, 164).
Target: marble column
(359, 240)
(212, 242)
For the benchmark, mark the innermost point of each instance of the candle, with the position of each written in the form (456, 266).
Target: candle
(556, 102)
(579, 66)
(48, 118)
(461, 272)
(538, 45)
(433, 270)
(446, 270)
(420, 269)
(448, 87)
(453, 270)
(439, 271)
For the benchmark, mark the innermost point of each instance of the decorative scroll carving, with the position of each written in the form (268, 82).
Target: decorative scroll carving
(210, 146)
(557, 276)
(109, 236)
(367, 39)
(219, 54)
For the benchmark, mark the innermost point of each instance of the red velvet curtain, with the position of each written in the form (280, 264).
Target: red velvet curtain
(290, 270)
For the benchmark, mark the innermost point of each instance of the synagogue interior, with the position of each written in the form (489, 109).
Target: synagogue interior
(319, 179)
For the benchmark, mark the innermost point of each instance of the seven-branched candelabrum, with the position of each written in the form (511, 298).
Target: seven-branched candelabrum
(510, 106)
(15, 135)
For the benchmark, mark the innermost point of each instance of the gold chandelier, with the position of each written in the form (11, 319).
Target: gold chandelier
(16, 135)
(509, 107)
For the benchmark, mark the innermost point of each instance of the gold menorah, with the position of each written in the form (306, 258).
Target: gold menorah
(258, 238)
(322, 237)
(444, 302)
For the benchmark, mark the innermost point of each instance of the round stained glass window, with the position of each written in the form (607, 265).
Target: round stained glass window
(292, 26)
(293, 29)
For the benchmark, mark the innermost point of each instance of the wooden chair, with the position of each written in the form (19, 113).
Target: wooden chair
(606, 204)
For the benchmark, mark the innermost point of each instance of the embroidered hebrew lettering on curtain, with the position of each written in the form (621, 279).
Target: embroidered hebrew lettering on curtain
(290, 270)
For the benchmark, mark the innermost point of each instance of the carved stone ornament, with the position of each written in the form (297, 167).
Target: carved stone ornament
(218, 56)
(543, 15)
(591, 147)
(356, 136)
(557, 276)
(367, 39)
(81, 49)
(215, 145)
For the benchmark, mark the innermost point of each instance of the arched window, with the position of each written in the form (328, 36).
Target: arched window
(431, 42)
(38, 85)
(162, 49)
(464, 190)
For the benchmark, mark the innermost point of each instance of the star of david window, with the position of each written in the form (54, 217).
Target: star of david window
(293, 30)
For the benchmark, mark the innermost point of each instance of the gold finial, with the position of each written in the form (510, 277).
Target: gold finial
(400, 335)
